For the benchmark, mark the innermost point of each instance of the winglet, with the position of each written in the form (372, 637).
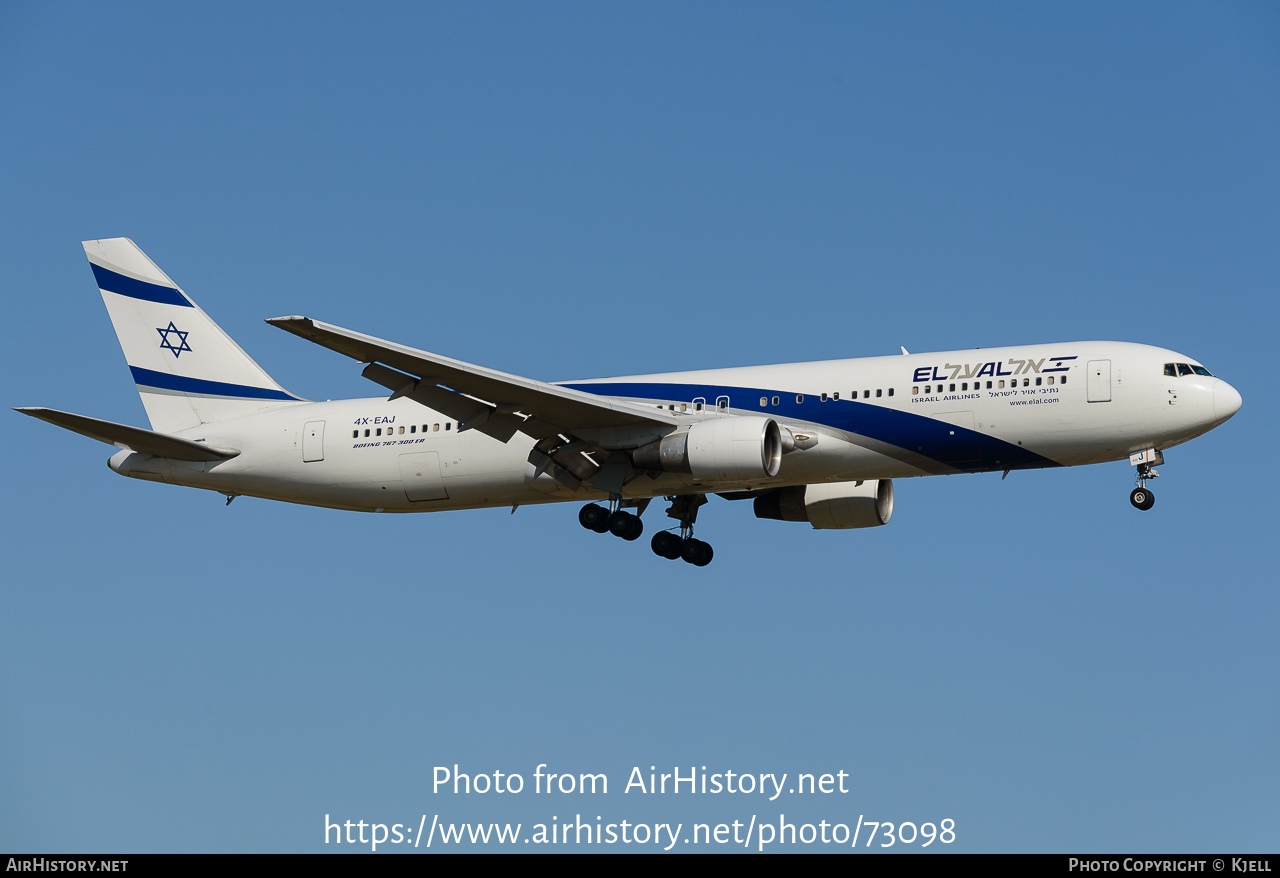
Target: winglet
(905, 352)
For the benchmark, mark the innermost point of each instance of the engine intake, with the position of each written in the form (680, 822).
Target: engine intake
(735, 448)
(831, 505)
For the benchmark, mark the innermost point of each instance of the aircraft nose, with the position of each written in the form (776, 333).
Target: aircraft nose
(1226, 400)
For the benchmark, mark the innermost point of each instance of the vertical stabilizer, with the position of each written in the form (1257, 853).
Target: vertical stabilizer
(188, 371)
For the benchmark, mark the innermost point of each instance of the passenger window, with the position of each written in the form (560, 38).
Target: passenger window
(698, 403)
(822, 398)
(413, 428)
(915, 391)
(835, 395)
(1037, 381)
(1002, 384)
(878, 392)
(1026, 382)
(775, 400)
(988, 385)
(378, 432)
(355, 434)
(799, 398)
(891, 391)
(366, 434)
(683, 407)
(866, 394)
(1184, 369)
(953, 389)
(1064, 380)
(435, 428)
(964, 386)
(764, 401)
(401, 431)
(928, 388)
(1050, 379)
(448, 424)
(1171, 370)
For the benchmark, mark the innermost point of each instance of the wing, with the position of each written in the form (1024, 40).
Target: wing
(565, 422)
(132, 438)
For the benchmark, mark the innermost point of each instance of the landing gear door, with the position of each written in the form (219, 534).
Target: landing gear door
(313, 442)
(1099, 381)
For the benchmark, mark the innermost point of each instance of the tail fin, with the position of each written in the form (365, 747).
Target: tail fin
(188, 371)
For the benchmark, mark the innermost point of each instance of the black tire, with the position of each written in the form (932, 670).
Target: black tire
(1142, 498)
(594, 517)
(665, 544)
(707, 554)
(635, 529)
(625, 525)
(696, 552)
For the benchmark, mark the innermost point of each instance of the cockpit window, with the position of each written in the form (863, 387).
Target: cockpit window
(1201, 370)
(1171, 370)
(1184, 369)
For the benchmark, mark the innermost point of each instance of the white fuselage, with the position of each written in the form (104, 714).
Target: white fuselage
(924, 414)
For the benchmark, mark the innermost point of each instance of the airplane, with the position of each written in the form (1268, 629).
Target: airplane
(816, 442)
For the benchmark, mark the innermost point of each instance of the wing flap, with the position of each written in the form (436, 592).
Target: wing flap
(469, 413)
(132, 438)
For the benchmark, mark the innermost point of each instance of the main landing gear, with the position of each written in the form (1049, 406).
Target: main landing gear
(665, 543)
(619, 522)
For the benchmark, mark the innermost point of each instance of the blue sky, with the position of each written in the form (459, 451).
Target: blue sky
(580, 190)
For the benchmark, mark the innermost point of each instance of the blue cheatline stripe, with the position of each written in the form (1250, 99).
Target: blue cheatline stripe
(165, 381)
(137, 289)
(958, 447)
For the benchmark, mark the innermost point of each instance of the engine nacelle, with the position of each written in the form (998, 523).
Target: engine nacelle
(831, 505)
(735, 448)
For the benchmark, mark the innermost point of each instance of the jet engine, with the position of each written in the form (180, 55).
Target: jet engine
(831, 505)
(734, 448)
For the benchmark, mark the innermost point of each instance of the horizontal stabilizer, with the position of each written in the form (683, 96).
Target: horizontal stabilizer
(132, 438)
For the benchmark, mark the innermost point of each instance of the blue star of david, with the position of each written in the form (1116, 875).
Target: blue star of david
(166, 341)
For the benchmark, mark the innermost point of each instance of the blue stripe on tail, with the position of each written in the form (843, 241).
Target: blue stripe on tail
(137, 289)
(180, 384)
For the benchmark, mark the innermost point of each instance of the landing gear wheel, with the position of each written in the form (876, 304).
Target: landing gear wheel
(594, 517)
(696, 552)
(625, 525)
(1142, 498)
(665, 544)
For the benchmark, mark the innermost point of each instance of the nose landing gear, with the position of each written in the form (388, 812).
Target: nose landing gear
(1142, 498)
(1146, 461)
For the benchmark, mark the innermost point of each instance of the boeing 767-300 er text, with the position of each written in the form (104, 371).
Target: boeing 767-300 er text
(816, 442)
